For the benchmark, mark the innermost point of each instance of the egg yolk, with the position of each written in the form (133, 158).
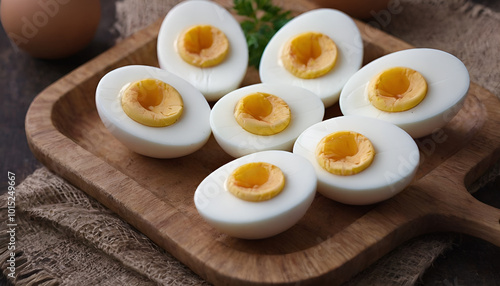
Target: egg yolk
(262, 113)
(203, 46)
(309, 55)
(256, 181)
(397, 89)
(345, 153)
(152, 102)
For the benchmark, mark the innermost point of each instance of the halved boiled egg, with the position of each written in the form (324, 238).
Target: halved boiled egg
(201, 42)
(263, 117)
(153, 112)
(258, 195)
(318, 50)
(419, 90)
(359, 160)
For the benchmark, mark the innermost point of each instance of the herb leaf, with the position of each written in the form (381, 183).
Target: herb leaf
(261, 21)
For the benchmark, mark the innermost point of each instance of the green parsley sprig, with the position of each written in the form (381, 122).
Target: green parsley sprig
(262, 19)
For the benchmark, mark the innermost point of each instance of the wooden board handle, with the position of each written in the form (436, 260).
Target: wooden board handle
(475, 218)
(457, 209)
(445, 204)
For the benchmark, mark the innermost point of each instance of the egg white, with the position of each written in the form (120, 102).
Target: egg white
(393, 168)
(336, 25)
(448, 83)
(255, 220)
(306, 109)
(183, 137)
(214, 81)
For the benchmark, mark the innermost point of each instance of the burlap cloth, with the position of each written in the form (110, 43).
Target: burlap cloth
(65, 237)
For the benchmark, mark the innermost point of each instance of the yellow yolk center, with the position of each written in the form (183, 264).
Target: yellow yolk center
(257, 181)
(397, 89)
(262, 113)
(152, 102)
(203, 46)
(345, 153)
(309, 55)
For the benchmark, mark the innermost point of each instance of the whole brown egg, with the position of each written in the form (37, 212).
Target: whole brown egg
(361, 9)
(50, 29)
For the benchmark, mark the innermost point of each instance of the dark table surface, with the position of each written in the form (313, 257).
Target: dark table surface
(470, 261)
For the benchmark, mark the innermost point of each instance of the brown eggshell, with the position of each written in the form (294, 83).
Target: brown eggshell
(361, 9)
(50, 29)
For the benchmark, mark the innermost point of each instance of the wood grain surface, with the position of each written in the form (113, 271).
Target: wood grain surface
(331, 243)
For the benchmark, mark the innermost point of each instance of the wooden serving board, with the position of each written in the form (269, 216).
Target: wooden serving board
(330, 244)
